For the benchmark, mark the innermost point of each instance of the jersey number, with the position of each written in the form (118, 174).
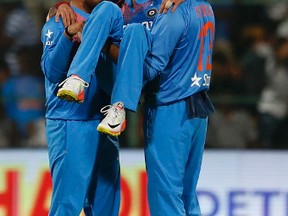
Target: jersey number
(204, 33)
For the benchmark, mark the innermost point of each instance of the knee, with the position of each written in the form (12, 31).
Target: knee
(138, 32)
(135, 28)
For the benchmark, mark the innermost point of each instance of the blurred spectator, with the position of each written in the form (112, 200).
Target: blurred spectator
(279, 13)
(231, 127)
(23, 97)
(38, 9)
(224, 19)
(273, 104)
(4, 126)
(18, 30)
(247, 15)
(226, 72)
(258, 45)
(282, 30)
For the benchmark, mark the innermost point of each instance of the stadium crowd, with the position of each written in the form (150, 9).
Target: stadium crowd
(249, 86)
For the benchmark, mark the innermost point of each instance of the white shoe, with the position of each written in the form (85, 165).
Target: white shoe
(72, 89)
(114, 122)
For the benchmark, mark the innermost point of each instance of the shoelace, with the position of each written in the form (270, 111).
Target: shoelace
(110, 111)
(76, 78)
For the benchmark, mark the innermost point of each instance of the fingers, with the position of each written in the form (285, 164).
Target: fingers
(51, 13)
(66, 19)
(67, 14)
(57, 17)
(79, 34)
(166, 4)
(70, 17)
(76, 27)
(73, 18)
(80, 26)
(162, 6)
(175, 6)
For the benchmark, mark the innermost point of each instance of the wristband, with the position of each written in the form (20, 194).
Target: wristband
(60, 3)
(68, 33)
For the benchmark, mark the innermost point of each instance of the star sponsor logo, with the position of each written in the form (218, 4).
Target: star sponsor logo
(195, 80)
(49, 33)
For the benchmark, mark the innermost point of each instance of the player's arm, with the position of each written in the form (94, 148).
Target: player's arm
(166, 4)
(57, 48)
(165, 36)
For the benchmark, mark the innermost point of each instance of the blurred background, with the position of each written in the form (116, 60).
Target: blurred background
(247, 135)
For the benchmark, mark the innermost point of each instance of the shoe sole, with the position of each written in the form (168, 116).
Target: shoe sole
(104, 130)
(108, 132)
(68, 96)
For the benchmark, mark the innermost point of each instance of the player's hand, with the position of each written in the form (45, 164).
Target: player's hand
(166, 4)
(67, 13)
(75, 29)
(51, 13)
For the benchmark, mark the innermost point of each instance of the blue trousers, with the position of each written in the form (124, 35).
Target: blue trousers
(135, 45)
(85, 171)
(174, 142)
(174, 146)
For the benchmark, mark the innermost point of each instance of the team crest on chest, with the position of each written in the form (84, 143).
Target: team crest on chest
(152, 12)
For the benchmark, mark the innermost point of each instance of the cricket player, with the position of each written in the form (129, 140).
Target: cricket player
(84, 163)
(175, 59)
(84, 63)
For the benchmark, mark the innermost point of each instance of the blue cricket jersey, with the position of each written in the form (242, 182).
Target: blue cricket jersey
(181, 54)
(143, 11)
(58, 53)
(23, 105)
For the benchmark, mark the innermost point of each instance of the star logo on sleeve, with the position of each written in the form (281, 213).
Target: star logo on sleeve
(195, 80)
(49, 33)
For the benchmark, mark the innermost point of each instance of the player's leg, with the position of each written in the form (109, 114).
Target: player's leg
(72, 150)
(166, 154)
(129, 79)
(173, 144)
(193, 166)
(134, 47)
(105, 21)
(104, 190)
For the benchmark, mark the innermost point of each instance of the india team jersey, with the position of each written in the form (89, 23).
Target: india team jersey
(141, 11)
(57, 47)
(58, 53)
(181, 53)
